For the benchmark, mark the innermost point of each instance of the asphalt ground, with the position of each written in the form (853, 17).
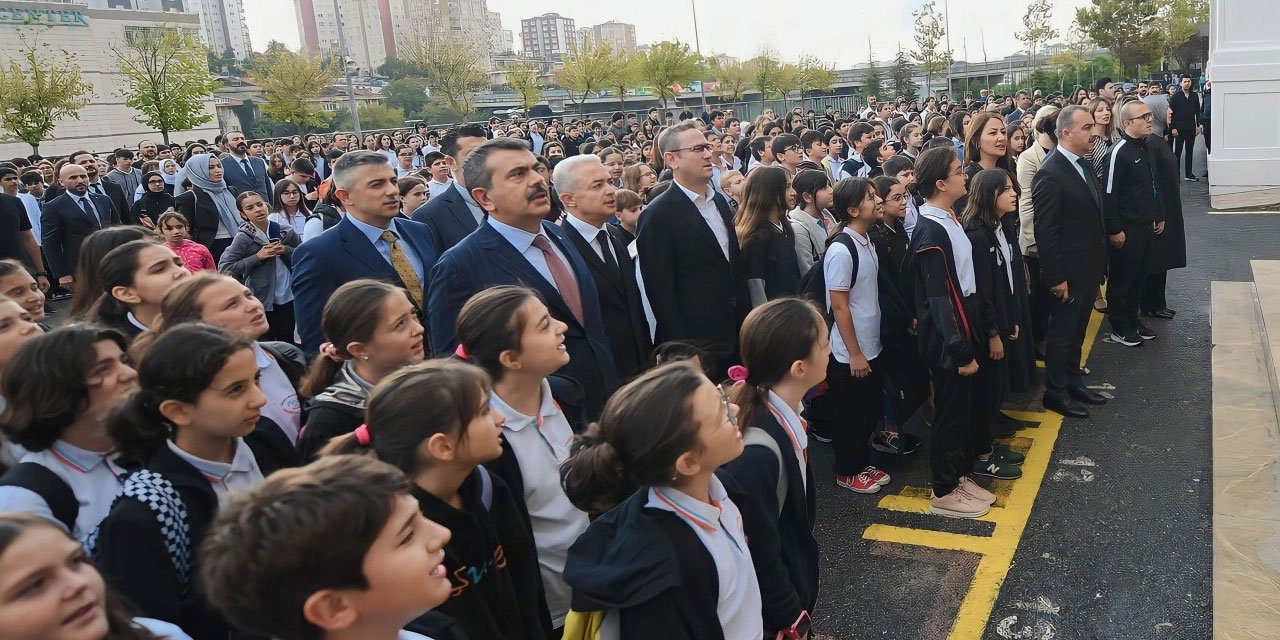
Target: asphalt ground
(1106, 536)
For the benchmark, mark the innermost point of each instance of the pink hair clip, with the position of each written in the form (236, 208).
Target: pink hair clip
(329, 351)
(738, 374)
(363, 436)
(461, 352)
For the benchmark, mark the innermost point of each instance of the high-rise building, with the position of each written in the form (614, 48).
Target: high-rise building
(547, 36)
(620, 36)
(222, 24)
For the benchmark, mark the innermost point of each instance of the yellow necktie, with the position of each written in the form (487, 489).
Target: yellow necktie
(400, 262)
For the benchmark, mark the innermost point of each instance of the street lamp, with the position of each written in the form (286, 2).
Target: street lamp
(347, 65)
(702, 83)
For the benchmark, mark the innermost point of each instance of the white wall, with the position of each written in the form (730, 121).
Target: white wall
(1244, 66)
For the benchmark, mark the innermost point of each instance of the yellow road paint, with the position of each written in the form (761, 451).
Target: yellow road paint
(1015, 500)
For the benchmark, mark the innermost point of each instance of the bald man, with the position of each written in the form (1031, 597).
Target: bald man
(71, 217)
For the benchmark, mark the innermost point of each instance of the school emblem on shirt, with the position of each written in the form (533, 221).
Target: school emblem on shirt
(291, 405)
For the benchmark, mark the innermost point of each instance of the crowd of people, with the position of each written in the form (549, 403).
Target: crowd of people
(549, 378)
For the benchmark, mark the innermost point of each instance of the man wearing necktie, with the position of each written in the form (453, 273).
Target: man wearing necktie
(515, 246)
(243, 171)
(71, 217)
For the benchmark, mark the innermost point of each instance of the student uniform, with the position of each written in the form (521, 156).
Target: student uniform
(93, 478)
(334, 412)
(999, 311)
(855, 401)
(906, 381)
(769, 260)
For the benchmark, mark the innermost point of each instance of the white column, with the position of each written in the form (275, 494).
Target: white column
(1244, 66)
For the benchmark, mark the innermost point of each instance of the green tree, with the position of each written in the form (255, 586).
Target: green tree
(291, 82)
(626, 74)
(456, 66)
(396, 69)
(1180, 30)
(1036, 28)
(166, 79)
(585, 71)
(1127, 28)
(768, 75)
(734, 78)
(38, 88)
(930, 32)
(872, 81)
(903, 76)
(373, 115)
(812, 74)
(666, 64)
(407, 94)
(525, 79)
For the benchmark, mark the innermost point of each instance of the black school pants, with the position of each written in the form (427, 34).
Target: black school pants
(1153, 292)
(988, 392)
(1184, 141)
(955, 428)
(1127, 277)
(855, 410)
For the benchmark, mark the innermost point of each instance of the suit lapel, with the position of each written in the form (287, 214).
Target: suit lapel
(694, 219)
(594, 263)
(359, 248)
(506, 258)
(457, 205)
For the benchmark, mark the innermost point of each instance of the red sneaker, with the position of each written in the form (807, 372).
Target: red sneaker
(863, 482)
(881, 477)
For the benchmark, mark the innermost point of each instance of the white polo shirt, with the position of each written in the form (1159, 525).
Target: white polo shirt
(961, 248)
(94, 478)
(241, 474)
(541, 445)
(864, 294)
(282, 406)
(797, 432)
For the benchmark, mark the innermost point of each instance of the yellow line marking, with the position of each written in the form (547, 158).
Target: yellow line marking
(931, 539)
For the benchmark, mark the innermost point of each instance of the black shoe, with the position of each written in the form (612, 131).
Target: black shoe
(1164, 314)
(1004, 426)
(1086, 395)
(1066, 406)
(1131, 339)
(993, 468)
(1145, 333)
(1005, 455)
(910, 443)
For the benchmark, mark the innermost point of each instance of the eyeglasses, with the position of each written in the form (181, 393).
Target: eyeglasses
(1146, 117)
(794, 147)
(898, 197)
(698, 148)
(724, 399)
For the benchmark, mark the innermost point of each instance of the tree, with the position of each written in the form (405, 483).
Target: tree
(1036, 29)
(667, 64)
(903, 76)
(373, 115)
(812, 74)
(396, 69)
(407, 94)
(872, 81)
(768, 75)
(166, 79)
(455, 65)
(1127, 28)
(1180, 30)
(929, 54)
(524, 78)
(586, 71)
(626, 73)
(291, 82)
(38, 88)
(734, 78)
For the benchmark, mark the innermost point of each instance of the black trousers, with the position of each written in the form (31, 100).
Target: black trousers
(1040, 298)
(282, 323)
(1128, 273)
(1153, 292)
(954, 430)
(988, 394)
(1068, 321)
(856, 408)
(217, 246)
(1207, 130)
(1185, 141)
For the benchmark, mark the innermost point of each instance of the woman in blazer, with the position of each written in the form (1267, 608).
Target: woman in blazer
(210, 205)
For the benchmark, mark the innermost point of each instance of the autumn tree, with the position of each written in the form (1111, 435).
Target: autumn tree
(1180, 30)
(626, 74)
(166, 79)
(291, 82)
(455, 62)
(666, 64)
(409, 94)
(1129, 29)
(768, 75)
(525, 79)
(38, 88)
(902, 75)
(734, 78)
(1036, 28)
(373, 115)
(872, 81)
(585, 71)
(930, 33)
(812, 74)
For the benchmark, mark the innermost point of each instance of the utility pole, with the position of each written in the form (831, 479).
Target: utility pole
(946, 16)
(346, 72)
(986, 71)
(697, 43)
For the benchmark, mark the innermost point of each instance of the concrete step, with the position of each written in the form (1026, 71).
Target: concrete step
(1246, 450)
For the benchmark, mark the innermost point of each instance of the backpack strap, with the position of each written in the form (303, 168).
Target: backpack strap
(758, 436)
(43, 482)
(486, 488)
(157, 493)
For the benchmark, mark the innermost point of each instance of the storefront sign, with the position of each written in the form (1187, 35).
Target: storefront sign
(42, 17)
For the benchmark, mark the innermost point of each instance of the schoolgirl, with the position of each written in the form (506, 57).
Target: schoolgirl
(851, 270)
(509, 332)
(765, 235)
(810, 220)
(17, 284)
(433, 421)
(260, 256)
(290, 209)
(59, 389)
(135, 277)
(364, 347)
(784, 346)
(185, 428)
(88, 285)
(661, 561)
(944, 286)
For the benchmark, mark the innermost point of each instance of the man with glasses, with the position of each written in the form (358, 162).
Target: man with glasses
(787, 151)
(688, 253)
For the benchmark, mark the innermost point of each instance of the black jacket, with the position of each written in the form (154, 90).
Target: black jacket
(947, 324)
(199, 209)
(1186, 112)
(998, 309)
(334, 412)
(1068, 225)
(771, 256)
(64, 226)
(449, 218)
(1130, 195)
(1168, 249)
(119, 201)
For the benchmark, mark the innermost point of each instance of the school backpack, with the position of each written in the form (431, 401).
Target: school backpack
(756, 435)
(813, 284)
(158, 494)
(39, 480)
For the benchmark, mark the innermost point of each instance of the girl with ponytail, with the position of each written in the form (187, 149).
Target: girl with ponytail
(432, 420)
(135, 276)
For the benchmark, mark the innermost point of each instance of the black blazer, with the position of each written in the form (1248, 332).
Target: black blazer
(449, 218)
(1068, 221)
(620, 305)
(64, 225)
(198, 207)
(118, 201)
(696, 295)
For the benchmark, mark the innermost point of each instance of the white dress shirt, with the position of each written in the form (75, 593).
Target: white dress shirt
(864, 294)
(589, 233)
(436, 188)
(241, 474)
(706, 205)
(961, 248)
(523, 242)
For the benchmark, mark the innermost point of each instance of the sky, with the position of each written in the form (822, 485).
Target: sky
(742, 28)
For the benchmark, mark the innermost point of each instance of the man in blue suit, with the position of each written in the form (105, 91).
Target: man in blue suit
(454, 214)
(369, 242)
(515, 245)
(68, 219)
(243, 171)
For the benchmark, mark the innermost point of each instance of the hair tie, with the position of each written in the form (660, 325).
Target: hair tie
(330, 351)
(461, 352)
(738, 374)
(363, 436)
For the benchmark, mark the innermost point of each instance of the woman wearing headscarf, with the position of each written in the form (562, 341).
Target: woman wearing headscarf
(210, 205)
(154, 201)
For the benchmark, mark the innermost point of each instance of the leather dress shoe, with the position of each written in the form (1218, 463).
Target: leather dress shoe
(1086, 395)
(1065, 405)
(1164, 314)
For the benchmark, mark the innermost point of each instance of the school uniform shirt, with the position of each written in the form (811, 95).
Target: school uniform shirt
(911, 217)
(796, 429)
(864, 294)
(1007, 251)
(161, 629)
(961, 248)
(541, 444)
(283, 407)
(436, 188)
(835, 168)
(94, 477)
(719, 526)
(241, 474)
(32, 206)
(306, 226)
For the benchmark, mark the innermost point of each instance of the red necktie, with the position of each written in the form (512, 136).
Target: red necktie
(566, 283)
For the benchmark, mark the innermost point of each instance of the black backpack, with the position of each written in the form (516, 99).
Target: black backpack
(813, 285)
(41, 481)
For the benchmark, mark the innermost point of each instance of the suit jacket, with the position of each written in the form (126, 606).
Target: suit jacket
(118, 201)
(1186, 112)
(234, 175)
(449, 218)
(1069, 229)
(202, 214)
(620, 304)
(342, 254)
(485, 259)
(64, 225)
(1014, 116)
(696, 295)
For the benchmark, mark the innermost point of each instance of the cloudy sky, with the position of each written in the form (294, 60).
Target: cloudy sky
(836, 32)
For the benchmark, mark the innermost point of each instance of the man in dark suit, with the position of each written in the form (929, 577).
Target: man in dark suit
(243, 171)
(588, 197)
(1024, 103)
(454, 214)
(105, 188)
(516, 246)
(1184, 112)
(369, 242)
(68, 219)
(689, 256)
(1071, 240)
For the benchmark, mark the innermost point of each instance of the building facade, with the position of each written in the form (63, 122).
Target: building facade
(548, 36)
(1244, 67)
(66, 30)
(222, 24)
(620, 36)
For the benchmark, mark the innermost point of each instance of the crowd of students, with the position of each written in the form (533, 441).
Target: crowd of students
(557, 379)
